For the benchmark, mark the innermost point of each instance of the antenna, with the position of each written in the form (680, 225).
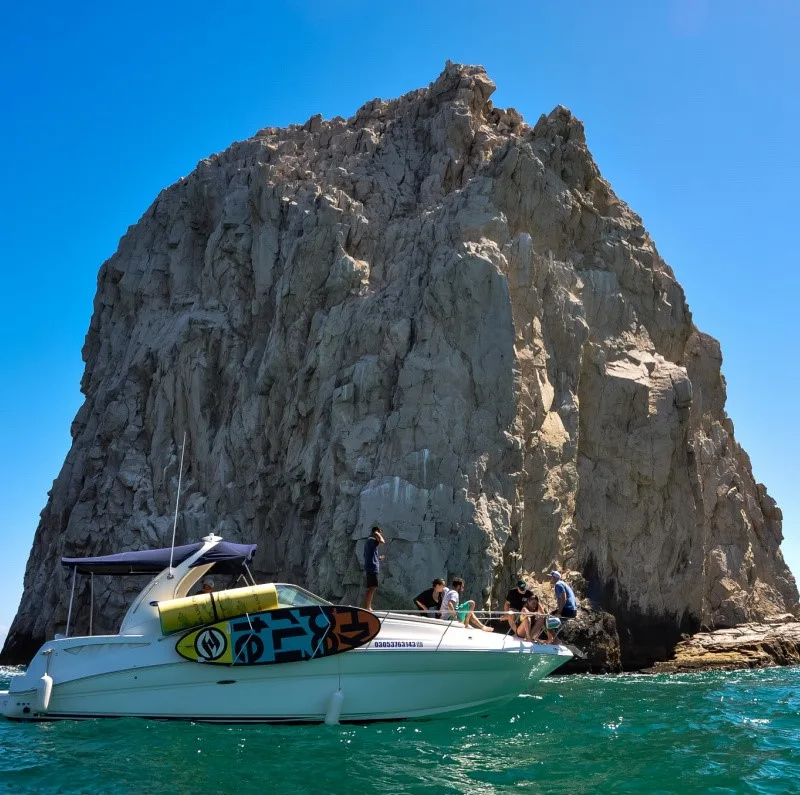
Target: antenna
(177, 501)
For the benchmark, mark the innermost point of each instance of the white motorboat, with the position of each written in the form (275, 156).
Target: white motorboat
(269, 653)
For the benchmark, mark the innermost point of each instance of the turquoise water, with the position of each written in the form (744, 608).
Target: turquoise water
(716, 733)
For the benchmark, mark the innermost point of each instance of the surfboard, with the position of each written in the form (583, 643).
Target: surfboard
(288, 634)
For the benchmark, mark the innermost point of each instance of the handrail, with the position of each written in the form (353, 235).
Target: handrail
(486, 613)
(382, 615)
(449, 624)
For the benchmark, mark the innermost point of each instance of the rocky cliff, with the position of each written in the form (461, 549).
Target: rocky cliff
(432, 316)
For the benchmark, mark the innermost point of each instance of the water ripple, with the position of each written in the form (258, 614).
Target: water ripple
(712, 732)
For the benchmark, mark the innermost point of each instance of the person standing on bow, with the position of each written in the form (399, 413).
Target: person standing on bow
(372, 564)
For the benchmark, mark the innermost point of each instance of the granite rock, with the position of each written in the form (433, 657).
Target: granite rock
(432, 316)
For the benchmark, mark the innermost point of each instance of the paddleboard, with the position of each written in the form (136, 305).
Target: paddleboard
(288, 634)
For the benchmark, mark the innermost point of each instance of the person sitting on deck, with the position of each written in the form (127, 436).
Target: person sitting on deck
(454, 609)
(430, 601)
(531, 620)
(515, 600)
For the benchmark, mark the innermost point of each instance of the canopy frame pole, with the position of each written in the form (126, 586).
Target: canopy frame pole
(91, 602)
(71, 598)
(177, 501)
(252, 578)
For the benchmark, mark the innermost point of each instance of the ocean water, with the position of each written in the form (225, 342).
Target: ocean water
(711, 733)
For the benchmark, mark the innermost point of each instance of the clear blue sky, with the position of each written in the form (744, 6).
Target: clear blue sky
(691, 107)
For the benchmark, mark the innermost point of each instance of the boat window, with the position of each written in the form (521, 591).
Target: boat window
(294, 596)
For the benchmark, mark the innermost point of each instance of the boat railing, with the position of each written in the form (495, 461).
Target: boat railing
(481, 615)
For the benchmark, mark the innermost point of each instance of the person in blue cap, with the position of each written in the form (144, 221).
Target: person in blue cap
(566, 605)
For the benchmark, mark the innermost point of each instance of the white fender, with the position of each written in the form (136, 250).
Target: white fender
(43, 692)
(334, 708)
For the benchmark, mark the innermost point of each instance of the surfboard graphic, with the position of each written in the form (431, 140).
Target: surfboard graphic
(288, 634)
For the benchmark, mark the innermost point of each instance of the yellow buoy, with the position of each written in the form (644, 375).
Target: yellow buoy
(208, 608)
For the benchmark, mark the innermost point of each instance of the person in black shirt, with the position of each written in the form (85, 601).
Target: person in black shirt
(430, 601)
(515, 599)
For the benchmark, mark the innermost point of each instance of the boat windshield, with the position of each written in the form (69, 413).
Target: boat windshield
(294, 596)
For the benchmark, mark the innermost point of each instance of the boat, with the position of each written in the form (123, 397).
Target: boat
(264, 653)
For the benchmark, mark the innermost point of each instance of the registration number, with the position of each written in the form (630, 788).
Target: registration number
(397, 644)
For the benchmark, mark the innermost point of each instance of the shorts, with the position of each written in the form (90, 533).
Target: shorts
(372, 579)
(462, 610)
(567, 613)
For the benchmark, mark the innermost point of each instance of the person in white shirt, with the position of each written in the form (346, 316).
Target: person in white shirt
(455, 610)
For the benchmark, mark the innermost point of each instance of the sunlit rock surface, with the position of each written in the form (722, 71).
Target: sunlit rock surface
(432, 316)
(745, 646)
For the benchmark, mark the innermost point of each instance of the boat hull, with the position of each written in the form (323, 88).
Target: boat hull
(397, 676)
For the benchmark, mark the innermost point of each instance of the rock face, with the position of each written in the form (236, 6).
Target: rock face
(432, 316)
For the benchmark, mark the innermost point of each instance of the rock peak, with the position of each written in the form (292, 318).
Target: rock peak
(563, 123)
(470, 82)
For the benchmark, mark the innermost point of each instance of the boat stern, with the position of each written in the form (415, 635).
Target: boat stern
(17, 706)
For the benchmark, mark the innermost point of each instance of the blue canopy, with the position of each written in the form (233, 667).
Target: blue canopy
(230, 558)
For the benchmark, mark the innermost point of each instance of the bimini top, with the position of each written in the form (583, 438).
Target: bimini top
(230, 558)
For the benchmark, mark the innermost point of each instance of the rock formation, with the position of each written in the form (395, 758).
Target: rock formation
(432, 316)
(745, 646)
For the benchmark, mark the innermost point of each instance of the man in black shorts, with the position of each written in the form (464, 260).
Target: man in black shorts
(372, 564)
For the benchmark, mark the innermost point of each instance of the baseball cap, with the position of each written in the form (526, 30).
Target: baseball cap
(522, 584)
(555, 575)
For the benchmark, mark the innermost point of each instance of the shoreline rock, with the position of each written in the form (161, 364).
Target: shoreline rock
(592, 637)
(746, 646)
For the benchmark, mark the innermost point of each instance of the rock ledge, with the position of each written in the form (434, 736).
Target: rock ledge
(745, 646)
